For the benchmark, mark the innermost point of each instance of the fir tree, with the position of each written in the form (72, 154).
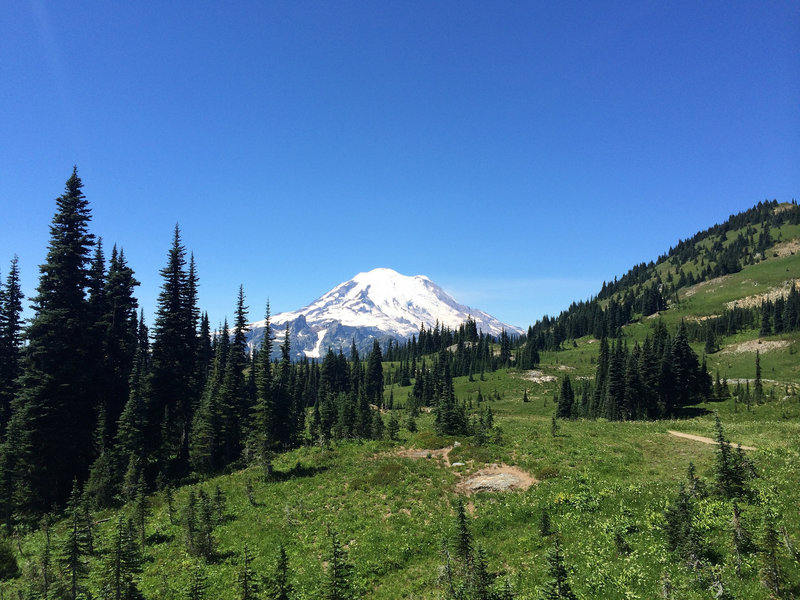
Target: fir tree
(198, 585)
(173, 383)
(565, 399)
(55, 411)
(374, 376)
(280, 588)
(248, 587)
(10, 340)
(123, 563)
(557, 588)
(75, 548)
(339, 584)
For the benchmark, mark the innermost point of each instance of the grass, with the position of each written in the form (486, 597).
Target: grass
(601, 482)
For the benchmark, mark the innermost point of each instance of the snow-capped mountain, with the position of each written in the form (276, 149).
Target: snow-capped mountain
(380, 304)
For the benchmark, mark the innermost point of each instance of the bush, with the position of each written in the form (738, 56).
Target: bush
(8, 561)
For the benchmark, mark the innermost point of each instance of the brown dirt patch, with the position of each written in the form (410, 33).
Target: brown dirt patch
(787, 248)
(424, 453)
(700, 438)
(537, 376)
(496, 478)
(763, 346)
(704, 284)
(771, 294)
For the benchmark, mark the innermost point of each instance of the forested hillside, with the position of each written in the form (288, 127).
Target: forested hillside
(164, 461)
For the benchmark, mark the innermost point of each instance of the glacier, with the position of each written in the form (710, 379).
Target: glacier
(379, 304)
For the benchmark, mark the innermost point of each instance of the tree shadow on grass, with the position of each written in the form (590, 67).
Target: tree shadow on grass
(690, 412)
(297, 471)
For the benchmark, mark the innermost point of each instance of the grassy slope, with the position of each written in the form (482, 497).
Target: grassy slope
(597, 478)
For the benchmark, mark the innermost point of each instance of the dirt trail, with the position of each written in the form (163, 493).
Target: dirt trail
(699, 438)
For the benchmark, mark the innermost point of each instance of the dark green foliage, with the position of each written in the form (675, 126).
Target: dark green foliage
(122, 564)
(75, 548)
(8, 560)
(771, 572)
(248, 586)
(373, 381)
(378, 428)
(393, 428)
(56, 403)
(197, 585)
(558, 585)
(279, 586)
(545, 527)
(463, 535)
(742, 539)
(173, 379)
(10, 340)
(141, 510)
(565, 399)
(732, 469)
(339, 585)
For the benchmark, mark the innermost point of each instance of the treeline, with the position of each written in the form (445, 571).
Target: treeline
(642, 291)
(95, 396)
(653, 380)
(472, 349)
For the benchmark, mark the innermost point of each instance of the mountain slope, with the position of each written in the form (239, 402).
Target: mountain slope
(380, 304)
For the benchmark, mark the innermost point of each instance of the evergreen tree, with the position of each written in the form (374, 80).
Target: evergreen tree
(248, 587)
(10, 340)
(120, 327)
(55, 410)
(565, 399)
(198, 585)
(340, 573)
(280, 588)
(173, 384)
(557, 588)
(75, 547)
(374, 376)
(123, 563)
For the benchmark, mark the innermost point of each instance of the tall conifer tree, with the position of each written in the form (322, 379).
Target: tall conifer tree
(55, 409)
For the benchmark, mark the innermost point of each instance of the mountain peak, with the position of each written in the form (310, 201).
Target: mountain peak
(380, 303)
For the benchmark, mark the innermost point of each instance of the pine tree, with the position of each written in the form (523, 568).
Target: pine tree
(198, 585)
(172, 384)
(374, 376)
(123, 562)
(248, 587)
(771, 573)
(120, 328)
(340, 573)
(234, 404)
(758, 387)
(558, 587)
(464, 546)
(280, 588)
(55, 409)
(75, 548)
(10, 340)
(565, 399)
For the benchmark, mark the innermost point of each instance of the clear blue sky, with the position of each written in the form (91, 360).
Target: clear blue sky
(517, 153)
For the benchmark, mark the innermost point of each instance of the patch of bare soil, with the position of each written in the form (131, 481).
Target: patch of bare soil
(788, 248)
(704, 284)
(700, 438)
(537, 376)
(762, 346)
(423, 453)
(771, 294)
(496, 478)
